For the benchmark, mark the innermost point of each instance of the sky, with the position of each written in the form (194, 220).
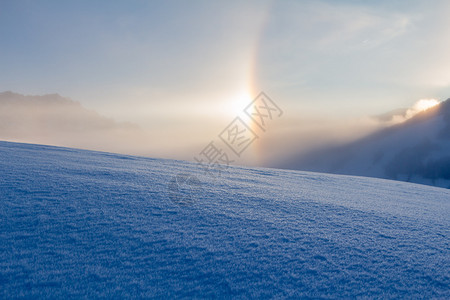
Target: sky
(183, 70)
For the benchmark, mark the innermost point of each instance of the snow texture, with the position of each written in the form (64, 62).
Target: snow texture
(76, 223)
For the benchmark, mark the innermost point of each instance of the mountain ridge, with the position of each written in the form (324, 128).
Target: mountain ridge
(418, 151)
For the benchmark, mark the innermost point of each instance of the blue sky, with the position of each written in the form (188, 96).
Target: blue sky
(173, 65)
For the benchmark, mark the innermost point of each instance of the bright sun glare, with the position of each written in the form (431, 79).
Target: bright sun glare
(240, 102)
(424, 104)
(419, 106)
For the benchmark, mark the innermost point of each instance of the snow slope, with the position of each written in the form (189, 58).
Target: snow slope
(77, 223)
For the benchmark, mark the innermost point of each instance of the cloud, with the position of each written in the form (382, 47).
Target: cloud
(401, 115)
(354, 28)
(55, 120)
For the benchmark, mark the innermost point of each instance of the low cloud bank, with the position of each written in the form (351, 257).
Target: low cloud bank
(55, 120)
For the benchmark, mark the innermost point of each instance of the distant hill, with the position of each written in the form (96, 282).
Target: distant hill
(417, 150)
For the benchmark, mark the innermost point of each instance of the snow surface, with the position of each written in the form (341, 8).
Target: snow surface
(76, 223)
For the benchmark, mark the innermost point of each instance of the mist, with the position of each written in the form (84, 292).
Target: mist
(300, 135)
(56, 120)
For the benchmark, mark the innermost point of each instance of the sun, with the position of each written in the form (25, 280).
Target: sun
(239, 103)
